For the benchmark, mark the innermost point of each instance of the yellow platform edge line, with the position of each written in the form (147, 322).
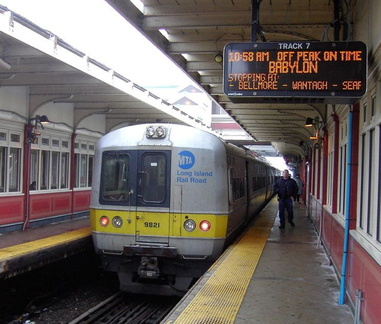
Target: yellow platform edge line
(28, 247)
(220, 299)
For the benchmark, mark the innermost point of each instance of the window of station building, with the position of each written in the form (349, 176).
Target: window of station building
(342, 179)
(49, 164)
(364, 114)
(370, 180)
(10, 161)
(83, 157)
(343, 146)
(373, 106)
(378, 214)
(369, 184)
(315, 181)
(330, 170)
(362, 170)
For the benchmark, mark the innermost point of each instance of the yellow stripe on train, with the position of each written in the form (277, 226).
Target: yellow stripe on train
(153, 223)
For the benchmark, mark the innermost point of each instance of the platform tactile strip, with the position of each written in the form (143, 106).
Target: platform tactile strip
(219, 300)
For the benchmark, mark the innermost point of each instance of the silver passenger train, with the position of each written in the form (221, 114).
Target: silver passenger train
(167, 200)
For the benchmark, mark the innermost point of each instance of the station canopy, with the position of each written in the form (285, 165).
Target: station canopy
(194, 35)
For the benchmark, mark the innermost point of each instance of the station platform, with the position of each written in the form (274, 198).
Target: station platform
(26, 250)
(269, 275)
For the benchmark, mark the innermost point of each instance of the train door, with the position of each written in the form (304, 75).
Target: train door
(152, 197)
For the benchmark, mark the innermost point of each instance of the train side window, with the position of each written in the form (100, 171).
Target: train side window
(230, 179)
(115, 178)
(236, 186)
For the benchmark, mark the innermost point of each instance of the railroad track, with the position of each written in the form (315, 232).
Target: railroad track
(132, 309)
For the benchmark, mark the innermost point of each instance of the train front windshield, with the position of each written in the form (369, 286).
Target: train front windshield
(135, 178)
(115, 179)
(153, 175)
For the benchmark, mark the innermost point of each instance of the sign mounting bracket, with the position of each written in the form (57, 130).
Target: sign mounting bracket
(256, 29)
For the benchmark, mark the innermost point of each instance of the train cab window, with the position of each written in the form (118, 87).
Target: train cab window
(153, 178)
(115, 180)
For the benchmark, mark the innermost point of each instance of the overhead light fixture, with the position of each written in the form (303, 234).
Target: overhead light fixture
(309, 122)
(33, 133)
(43, 119)
(218, 58)
(39, 119)
(316, 123)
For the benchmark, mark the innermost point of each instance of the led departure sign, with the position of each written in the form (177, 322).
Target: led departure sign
(335, 71)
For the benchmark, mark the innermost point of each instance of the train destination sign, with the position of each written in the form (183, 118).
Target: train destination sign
(333, 71)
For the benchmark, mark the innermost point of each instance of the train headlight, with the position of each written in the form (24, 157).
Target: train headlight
(155, 132)
(205, 225)
(104, 221)
(117, 221)
(150, 131)
(189, 225)
(160, 132)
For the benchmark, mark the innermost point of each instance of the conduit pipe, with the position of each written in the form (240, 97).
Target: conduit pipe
(347, 211)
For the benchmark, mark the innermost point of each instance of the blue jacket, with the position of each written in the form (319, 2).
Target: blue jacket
(286, 188)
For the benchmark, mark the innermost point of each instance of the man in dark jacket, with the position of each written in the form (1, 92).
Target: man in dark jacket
(286, 188)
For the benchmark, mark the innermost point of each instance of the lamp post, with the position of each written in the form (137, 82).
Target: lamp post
(30, 133)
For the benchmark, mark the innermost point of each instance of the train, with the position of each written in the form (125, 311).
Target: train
(167, 200)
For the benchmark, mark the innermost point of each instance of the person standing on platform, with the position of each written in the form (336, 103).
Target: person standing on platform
(286, 188)
(300, 188)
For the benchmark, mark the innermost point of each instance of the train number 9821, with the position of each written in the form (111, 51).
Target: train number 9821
(152, 224)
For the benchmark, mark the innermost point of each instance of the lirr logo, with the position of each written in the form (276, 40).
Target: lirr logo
(186, 160)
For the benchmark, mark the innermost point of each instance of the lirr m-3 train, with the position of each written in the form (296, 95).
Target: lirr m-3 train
(167, 200)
